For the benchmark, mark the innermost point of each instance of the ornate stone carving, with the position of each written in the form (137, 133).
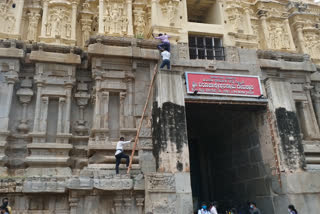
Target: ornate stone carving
(312, 44)
(278, 36)
(139, 22)
(7, 17)
(170, 9)
(161, 183)
(86, 22)
(140, 203)
(82, 96)
(115, 18)
(34, 16)
(59, 22)
(25, 94)
(235, 16)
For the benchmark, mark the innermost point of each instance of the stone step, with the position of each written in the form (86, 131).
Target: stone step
(111, 166)
(313, 159)
(311, 146)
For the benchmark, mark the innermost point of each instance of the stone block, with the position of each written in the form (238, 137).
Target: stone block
(113, 184)
(265, 204)
(42, 56)
(11, 53)
(281, 203)
(138, 182)
(247, 56)
(99, 49)
(183, 183)
(303, 182)
(184, 203)
(147, 161)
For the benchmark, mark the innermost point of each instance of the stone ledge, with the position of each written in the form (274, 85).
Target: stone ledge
(41, 160)
(130, 52)
(287, 65)
(42, 56)
(11, 53)
(49, 146)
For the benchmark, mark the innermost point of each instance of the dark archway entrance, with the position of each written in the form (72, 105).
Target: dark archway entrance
(225, 153)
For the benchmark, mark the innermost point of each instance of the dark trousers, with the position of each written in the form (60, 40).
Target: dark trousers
(165, 62)
(118, 160)
(164, 45)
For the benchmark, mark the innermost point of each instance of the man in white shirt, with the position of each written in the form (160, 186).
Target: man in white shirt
(165, 59)
(213, 207)
(119, 153)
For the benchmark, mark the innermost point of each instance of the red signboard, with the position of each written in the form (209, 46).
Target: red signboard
(223, 84)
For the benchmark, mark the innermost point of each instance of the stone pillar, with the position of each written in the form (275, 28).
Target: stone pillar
(154, 13)
(86, 27)
(101, 14)
(139, 202)
(11, 77)
(283, 111)
(38, 106)
(43, 114)
(25, 94)
(248, 20)
(309, 118)
(128, 110)
(82, 96)
(105, 106)
(127, 204)
(19, 7)
(129, 14)
(117, 205)
(264, 27)
(44, 18)
(316, 104)
(288, 29)
(300, 39)
(221, 10)
(122, 118)
(172, 160)
(60, 113)
(97, 103)
(73, 203)
(74, 20)
(34, 16)
(68, 108)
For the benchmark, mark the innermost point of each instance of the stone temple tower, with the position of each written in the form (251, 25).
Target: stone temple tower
(235, 119)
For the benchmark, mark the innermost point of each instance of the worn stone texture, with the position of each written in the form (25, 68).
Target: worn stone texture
(74, 77)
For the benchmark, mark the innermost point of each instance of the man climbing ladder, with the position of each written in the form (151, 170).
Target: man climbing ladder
(142, 116)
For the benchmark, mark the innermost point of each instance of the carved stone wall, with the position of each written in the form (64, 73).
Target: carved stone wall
(290, 26)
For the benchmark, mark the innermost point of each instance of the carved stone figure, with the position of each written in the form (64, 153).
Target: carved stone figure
(312, 44)
(59, 22)
(34, 17)
(139, 22)
(170, 9)
(115, 18)
(7, 18)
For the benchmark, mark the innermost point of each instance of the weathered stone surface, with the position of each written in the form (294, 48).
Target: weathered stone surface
(63, 108)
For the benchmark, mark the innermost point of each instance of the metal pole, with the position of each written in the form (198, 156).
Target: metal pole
(142, 117)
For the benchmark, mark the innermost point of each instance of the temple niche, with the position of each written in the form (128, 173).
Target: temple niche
(115, 18)
(311, 37)
(59, 22)
(278, 36)
(170, 9)
(7, 17)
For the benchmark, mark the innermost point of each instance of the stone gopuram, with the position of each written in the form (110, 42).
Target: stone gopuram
(74, 77)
